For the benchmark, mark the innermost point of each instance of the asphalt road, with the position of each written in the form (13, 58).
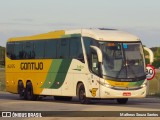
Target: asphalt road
(11, 102)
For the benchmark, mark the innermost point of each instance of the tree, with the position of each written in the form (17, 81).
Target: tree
(156, 63)
(2, 56)
(147, 61)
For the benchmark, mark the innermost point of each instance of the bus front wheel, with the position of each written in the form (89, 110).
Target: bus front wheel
(122, 100)
(82, 95)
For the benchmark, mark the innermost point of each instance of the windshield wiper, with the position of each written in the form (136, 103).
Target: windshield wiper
(129, 66)
(123, 67)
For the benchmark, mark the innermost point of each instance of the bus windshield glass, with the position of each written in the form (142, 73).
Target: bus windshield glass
(122, 60)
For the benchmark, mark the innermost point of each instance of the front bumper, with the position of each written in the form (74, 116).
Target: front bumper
(106, 92)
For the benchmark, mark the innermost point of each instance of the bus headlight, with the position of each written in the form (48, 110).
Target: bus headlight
(144, 84)
(105, 84)
(108, 85)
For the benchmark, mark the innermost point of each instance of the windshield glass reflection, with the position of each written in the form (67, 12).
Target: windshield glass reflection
(122, 60)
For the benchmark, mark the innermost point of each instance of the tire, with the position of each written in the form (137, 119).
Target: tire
(82, 95)
(62, 98)
(122, 100)
(29, 92)
(21, 90)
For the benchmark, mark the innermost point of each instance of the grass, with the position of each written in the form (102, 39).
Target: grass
(154, 85)
(2, 80)
(1, 66)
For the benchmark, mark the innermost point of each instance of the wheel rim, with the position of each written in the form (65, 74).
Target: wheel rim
(82, 95)
(21, 93)
(29, 93)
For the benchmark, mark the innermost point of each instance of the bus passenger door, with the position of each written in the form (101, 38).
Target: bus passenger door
(94, 85)
(94, 76)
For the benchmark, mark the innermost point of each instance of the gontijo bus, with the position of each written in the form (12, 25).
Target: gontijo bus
(88, 63)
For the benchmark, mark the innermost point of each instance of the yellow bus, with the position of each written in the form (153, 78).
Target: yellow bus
(88, 63)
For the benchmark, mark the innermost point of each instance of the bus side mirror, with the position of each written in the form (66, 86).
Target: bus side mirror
(151, 55)
(96, 60)
(99, 53)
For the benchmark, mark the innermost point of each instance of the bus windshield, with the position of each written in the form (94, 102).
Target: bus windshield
(122, 60)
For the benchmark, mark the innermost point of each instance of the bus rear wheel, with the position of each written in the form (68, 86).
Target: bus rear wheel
(82, 95)
(21, 90)
(29, 95)
(122, 100)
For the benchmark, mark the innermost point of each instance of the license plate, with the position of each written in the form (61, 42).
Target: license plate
(126, 93)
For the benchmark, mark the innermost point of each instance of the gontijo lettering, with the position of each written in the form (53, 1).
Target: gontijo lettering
(31, 66)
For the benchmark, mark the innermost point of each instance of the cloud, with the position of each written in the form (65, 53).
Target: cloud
(24, 20)
(9, 33)
(18, 23)
(55, 25)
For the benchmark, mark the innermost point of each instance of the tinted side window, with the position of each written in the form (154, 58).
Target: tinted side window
(18, 49)
(63, 48)
(39, 48)
(50, 48)
(76, 48)
(87, 43)
(10, 50)
(28, 50)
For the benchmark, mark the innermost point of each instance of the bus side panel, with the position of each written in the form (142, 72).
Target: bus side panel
(18, 70)
(11, 83)
(75, 73)
(37, 79)
(78, 72)
(55, 77)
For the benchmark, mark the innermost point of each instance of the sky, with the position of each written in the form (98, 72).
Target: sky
(29, 17)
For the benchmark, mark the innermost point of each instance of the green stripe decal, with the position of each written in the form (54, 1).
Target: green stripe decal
(52, 73)
(61, 75)
(57, 73)
(139, 83)
(71, 35)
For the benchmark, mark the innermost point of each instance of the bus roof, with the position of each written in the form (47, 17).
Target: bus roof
(105, 35)
(98, 34)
